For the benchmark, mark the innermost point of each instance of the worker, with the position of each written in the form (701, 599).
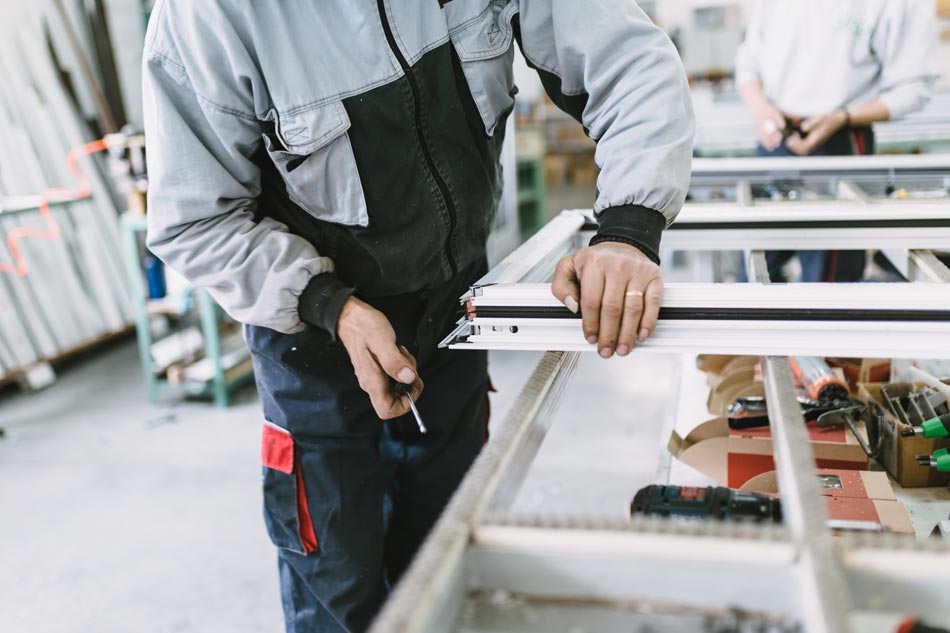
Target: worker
(330, 172)
(817, 74)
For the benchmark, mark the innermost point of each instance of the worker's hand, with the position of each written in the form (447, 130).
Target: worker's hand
(371, 343)
(769, 121)
(818, 129)
(618, 290)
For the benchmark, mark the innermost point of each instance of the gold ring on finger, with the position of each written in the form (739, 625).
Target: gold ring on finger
(634, 293)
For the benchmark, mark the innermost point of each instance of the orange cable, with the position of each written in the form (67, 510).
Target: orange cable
(20, 267)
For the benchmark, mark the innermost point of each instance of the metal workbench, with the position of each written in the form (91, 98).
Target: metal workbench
(869, 192)
(487, 568)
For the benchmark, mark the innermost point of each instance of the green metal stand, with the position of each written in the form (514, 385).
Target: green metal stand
(531, 186)
(211, 315)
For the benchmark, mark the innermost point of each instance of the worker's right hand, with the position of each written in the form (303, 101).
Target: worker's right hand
(370, 340)
(769, 121)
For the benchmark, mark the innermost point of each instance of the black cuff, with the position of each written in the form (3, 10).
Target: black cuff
(632, 224)
(322, 301)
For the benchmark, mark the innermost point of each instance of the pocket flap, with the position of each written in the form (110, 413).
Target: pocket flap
(487, 35)
(305, 131)
(277, 449)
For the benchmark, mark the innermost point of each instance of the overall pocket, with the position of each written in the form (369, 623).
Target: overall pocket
(312, 152)
(484, 47)
(286, 509)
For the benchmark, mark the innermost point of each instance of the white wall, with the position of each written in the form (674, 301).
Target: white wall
(704, 49)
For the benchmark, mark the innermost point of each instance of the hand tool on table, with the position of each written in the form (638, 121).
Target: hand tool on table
(939, 460)
(752, 411)
(926, 410)
(406, 390)
(713, 502)
(914, 625)
(818, 379)
(824, 392)
(931, 429)
(894, 405)
(848, 415)
(725, 504)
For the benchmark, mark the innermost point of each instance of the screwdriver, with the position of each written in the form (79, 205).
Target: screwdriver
(939, 460)
(405, 390)
(931, 429)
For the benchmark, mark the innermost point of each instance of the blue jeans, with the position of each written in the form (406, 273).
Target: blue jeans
(349, 499)
(846, 265)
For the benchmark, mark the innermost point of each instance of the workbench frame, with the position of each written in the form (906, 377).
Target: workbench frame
(854, 582)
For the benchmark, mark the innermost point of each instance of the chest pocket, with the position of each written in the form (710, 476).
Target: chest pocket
(484, 47)
(312, 151)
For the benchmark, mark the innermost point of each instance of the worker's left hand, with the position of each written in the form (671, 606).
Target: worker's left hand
(818, 130)
(618, 290)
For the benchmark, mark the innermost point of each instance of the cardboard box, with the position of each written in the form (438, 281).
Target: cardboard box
(898, 453)
(858, 370)
(716, 366)
(729, 377)
(713, 363)
(890, 514)
(737, 385)
(735, 457)
(862, 496)
(844, 484)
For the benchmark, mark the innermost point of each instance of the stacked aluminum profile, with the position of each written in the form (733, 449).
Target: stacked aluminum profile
(75, 292)
(894, 320)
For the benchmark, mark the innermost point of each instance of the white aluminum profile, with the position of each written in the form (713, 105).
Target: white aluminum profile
(828, 225)
(834, 166)
(811, 226)
(880, 320)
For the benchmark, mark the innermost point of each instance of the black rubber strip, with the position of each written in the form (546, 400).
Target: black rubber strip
(732, 314)
(813, 224)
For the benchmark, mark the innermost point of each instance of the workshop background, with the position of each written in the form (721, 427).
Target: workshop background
(129, 422)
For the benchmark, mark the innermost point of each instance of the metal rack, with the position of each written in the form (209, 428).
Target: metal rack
(482, 558)
(211, 316)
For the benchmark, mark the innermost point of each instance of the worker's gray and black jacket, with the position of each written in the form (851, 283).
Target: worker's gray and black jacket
(300, 148)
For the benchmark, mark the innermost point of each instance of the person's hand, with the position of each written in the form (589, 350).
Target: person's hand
(371, 343)
(770, 122)
(618, 290)
(817, 129)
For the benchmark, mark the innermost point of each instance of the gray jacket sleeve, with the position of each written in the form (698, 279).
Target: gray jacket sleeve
(203, 189)
(608, 65)
(906, 43)
(750, 51)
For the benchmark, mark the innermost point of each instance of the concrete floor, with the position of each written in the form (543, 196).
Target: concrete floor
(118, 516)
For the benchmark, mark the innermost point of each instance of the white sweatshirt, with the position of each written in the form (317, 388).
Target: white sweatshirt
(813, 56)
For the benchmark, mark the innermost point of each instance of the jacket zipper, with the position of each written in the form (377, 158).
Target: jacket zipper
(427, 153)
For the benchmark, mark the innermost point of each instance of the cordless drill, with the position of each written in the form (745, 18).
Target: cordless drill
(720, 503)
